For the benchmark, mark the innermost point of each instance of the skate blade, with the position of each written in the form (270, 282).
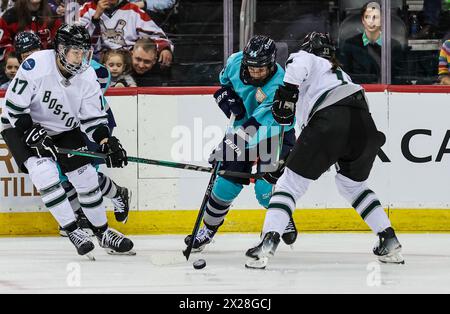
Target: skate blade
(260, 263)
(90, 256)
(112, 252)
(392, 259)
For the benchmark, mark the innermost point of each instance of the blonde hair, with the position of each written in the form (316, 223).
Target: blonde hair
(124, 54)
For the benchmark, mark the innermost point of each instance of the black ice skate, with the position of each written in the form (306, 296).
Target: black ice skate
(82, 242)
(115, 243)
(259, 255)
(388, 249)
(82, 222)
(290, 233)
(204, 237)
(122, 204)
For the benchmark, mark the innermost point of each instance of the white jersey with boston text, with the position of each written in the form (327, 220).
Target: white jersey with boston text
(318, 85)
(56, 103)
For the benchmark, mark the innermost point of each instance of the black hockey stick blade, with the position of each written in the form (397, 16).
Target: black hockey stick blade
(201, 212)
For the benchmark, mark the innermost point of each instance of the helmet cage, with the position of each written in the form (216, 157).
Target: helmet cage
(260, 52)
(72, 68)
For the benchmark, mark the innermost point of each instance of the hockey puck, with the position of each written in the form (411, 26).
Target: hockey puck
(199, 264)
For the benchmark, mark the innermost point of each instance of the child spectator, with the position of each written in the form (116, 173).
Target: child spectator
(444, 64)
(118, 63)
(11, 66)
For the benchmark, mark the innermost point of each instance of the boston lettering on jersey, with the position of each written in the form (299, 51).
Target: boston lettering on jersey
(56, 109)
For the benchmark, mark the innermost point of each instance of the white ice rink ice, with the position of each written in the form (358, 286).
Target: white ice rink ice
(320, 263)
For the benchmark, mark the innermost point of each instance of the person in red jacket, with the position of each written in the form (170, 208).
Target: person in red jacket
(27, 15)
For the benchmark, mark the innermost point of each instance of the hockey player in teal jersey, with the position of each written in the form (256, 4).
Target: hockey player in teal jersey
(248, 85)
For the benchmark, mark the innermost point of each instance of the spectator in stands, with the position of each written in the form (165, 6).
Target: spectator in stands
(118, 63)
(57, 6)
(361, 54)
(155, 5)
(146, 69)
(32, 15)
(116, 24)
(431, 13)
(444, 64)
(11, 66)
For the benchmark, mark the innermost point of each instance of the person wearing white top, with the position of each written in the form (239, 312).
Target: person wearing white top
(337, 129)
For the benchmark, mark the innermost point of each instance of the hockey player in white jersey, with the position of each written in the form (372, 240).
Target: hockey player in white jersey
(55, 97)
(26, 43)
(337, 129)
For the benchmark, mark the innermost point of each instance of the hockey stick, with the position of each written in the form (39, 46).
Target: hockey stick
(163, 163)
(202, 210)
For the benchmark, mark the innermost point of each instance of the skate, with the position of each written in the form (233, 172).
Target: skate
(203, 238)
(115, 243)
(290, 234)
(82, 242)
(388, 248)
(122, 204)
(259, 255)
(82, 222)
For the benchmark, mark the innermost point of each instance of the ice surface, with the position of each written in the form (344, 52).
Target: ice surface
(320, 263)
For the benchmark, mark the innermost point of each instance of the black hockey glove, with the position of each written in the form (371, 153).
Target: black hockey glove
(234, 145)
(283, 108)
(40, 143)
(272, 177)
(230, 102)
(116, 155)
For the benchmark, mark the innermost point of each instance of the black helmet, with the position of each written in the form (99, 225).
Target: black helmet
(260, 51)
(26, 41)
(319, 44)
(75, 37)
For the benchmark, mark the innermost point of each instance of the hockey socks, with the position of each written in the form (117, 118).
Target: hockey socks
(108, 186)
(369, 208)
(216, 210)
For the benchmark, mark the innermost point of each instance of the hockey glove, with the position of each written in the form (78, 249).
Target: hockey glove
(40, 143)
(116, 156)
(283, 108)
(230, 102)
(272, 177)
(232, 148)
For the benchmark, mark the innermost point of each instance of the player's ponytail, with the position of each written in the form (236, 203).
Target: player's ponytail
(335, 64)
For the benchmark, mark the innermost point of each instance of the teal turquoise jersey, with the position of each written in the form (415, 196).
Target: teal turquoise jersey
(257, 100)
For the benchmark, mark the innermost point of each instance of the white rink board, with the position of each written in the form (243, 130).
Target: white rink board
(154, 126)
